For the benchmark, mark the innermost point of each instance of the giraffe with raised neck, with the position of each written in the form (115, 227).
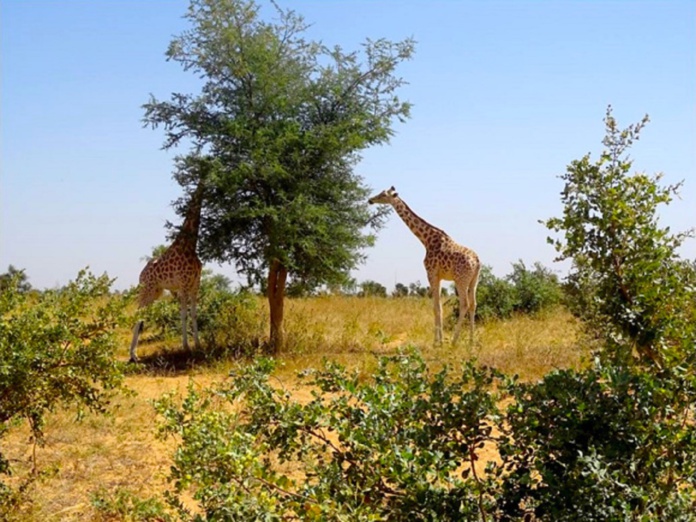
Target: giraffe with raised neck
(178, 270)
(444, 260)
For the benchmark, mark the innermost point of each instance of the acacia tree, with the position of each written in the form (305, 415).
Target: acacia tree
(282, 120)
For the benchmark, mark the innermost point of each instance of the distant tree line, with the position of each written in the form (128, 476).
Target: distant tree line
(16, 278)
(525, 290)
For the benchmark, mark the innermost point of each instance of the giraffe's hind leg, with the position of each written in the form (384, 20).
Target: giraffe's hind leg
(462, 291)
(194, 324)
(183, 310)
(466, 284)
(472, 302)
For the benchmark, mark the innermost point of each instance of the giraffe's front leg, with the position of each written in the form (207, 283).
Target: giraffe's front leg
(137, 330)
(437, 308)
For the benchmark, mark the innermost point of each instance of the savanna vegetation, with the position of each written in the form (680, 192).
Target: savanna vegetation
(107, 463)
(575, 402)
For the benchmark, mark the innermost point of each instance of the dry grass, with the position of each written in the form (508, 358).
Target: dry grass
(121, 451)
(352, 331)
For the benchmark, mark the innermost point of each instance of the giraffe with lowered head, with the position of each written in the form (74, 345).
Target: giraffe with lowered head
(178, 270)
(444, 260)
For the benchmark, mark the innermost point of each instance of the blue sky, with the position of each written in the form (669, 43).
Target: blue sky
(505, 95)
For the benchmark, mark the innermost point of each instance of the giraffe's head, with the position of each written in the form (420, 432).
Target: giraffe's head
(386, 196)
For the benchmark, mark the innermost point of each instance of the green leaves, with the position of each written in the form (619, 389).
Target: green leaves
(615, 438)
(389, 446)
(606, 443)
(632, 288)
(56, 349)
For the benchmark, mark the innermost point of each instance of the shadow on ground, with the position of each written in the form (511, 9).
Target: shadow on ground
(168, 361)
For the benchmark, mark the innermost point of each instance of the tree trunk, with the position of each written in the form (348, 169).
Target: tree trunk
(277, 276)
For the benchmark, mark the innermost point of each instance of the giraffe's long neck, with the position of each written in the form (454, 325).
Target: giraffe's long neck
(419, 226)
(188, 234)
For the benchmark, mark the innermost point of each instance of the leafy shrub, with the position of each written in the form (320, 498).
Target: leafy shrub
(15, 278)
(372, 288)
(400, 290)
(536, 289)
(400, 446)
(495, 297)
(616, 441)
(601, 444)
(230, 322)
(163, 317)
(604, 443)
(640, 293)
(526, 291)
(123, 504)
(57, 350)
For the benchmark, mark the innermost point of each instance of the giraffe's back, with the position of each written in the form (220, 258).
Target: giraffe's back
(172, 271)
(450, 260)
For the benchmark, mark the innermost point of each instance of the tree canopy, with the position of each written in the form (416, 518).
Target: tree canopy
(280, 121)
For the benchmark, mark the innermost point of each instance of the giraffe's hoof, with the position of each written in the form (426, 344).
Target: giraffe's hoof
(133, 360)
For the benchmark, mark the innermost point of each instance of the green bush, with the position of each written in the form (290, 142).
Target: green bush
(616, 441)
(372, 289)
(399, 446)
(230, 322)
(639, 293)
(162, 318)
(600, 444)
(606, 443)
(57, 350)
(524, 291)
(15, 278)
(495, 297)
(536, 289)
